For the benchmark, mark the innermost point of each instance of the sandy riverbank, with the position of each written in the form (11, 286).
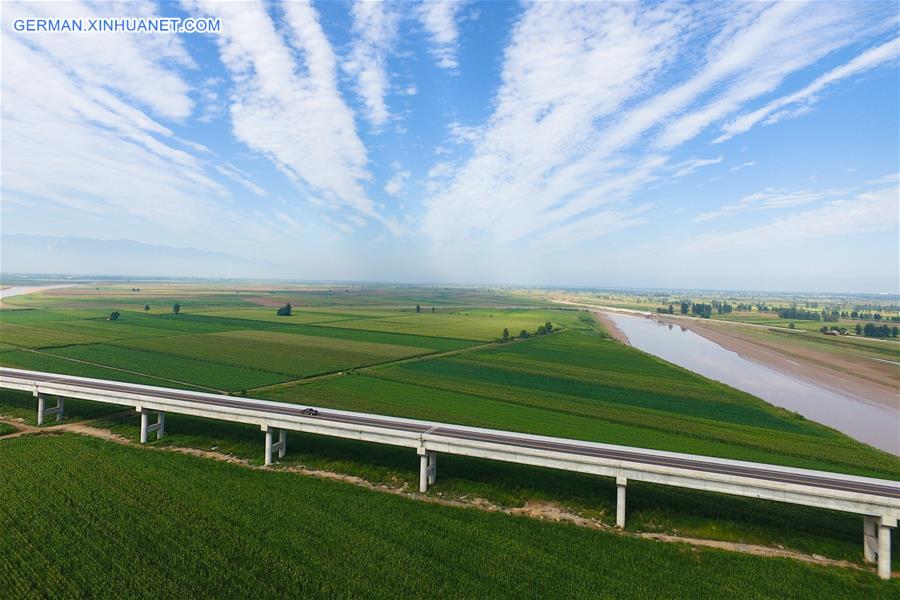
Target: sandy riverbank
(610, 326)
(854, 376)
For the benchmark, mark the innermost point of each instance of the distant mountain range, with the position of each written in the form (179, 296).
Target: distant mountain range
(84, 256)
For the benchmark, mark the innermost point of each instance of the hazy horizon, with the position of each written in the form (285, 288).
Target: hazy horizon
(156, 253)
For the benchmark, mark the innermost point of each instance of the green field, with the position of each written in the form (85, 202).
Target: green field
(182, 527)
(286, 353)
(221, 350)
(470, 324)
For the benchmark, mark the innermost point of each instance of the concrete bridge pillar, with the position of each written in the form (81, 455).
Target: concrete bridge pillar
(146, 428)
(268, 460)
(427, 469)
(884, 547)
(279, 447)
(870, 538)
(621, 484)
(44, 412)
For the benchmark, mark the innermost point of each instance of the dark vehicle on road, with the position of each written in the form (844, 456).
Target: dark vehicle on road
(309, 412)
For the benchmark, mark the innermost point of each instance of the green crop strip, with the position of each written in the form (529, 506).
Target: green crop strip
(179, 526)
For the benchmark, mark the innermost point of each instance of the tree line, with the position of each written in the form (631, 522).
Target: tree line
(544, 329)
(877, 331)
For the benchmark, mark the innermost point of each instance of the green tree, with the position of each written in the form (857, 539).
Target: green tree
(858, 329)
(114, 315)
(418, 308)
(791, 325)
(432, 309)
(284, 311)
(146, 307)
(176, 308)
(505, 334)
(548, 326)
(823, 329)
(524, 333)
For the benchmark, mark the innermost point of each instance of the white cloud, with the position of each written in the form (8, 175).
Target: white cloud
(537, 154)
(689, 166)
(890, 178)
(462, 134)
(744, 165)
(768, 199)
(440, 19)
(238, 176)
(603, 222)
(375, 26)
(865, 213)
(802, 100)
(396, 183)
(782, 39)
(292, 113)
(131, 65)
(73, 137)
(589, 101)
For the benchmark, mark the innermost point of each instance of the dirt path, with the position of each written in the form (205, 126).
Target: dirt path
(534, 510)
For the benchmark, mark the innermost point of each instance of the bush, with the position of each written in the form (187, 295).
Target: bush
(284, 311)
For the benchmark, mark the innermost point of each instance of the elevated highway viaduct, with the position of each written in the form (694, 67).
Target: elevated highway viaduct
(878, 500)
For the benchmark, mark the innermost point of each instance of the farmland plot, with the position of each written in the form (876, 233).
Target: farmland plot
(22, 359)
(205, 373)
(30, 336)
(290, 354)
(476, 324)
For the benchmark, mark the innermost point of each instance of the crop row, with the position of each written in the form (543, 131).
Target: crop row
(286, 353)
(121, 522)
(34, 361)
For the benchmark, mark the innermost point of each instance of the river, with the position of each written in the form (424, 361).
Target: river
(21, 290)
(874, 424)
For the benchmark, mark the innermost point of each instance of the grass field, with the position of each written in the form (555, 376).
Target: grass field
(286, 353)
(168, 530)
(470, 324)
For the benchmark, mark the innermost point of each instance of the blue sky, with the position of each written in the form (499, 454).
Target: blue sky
(746, 145)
